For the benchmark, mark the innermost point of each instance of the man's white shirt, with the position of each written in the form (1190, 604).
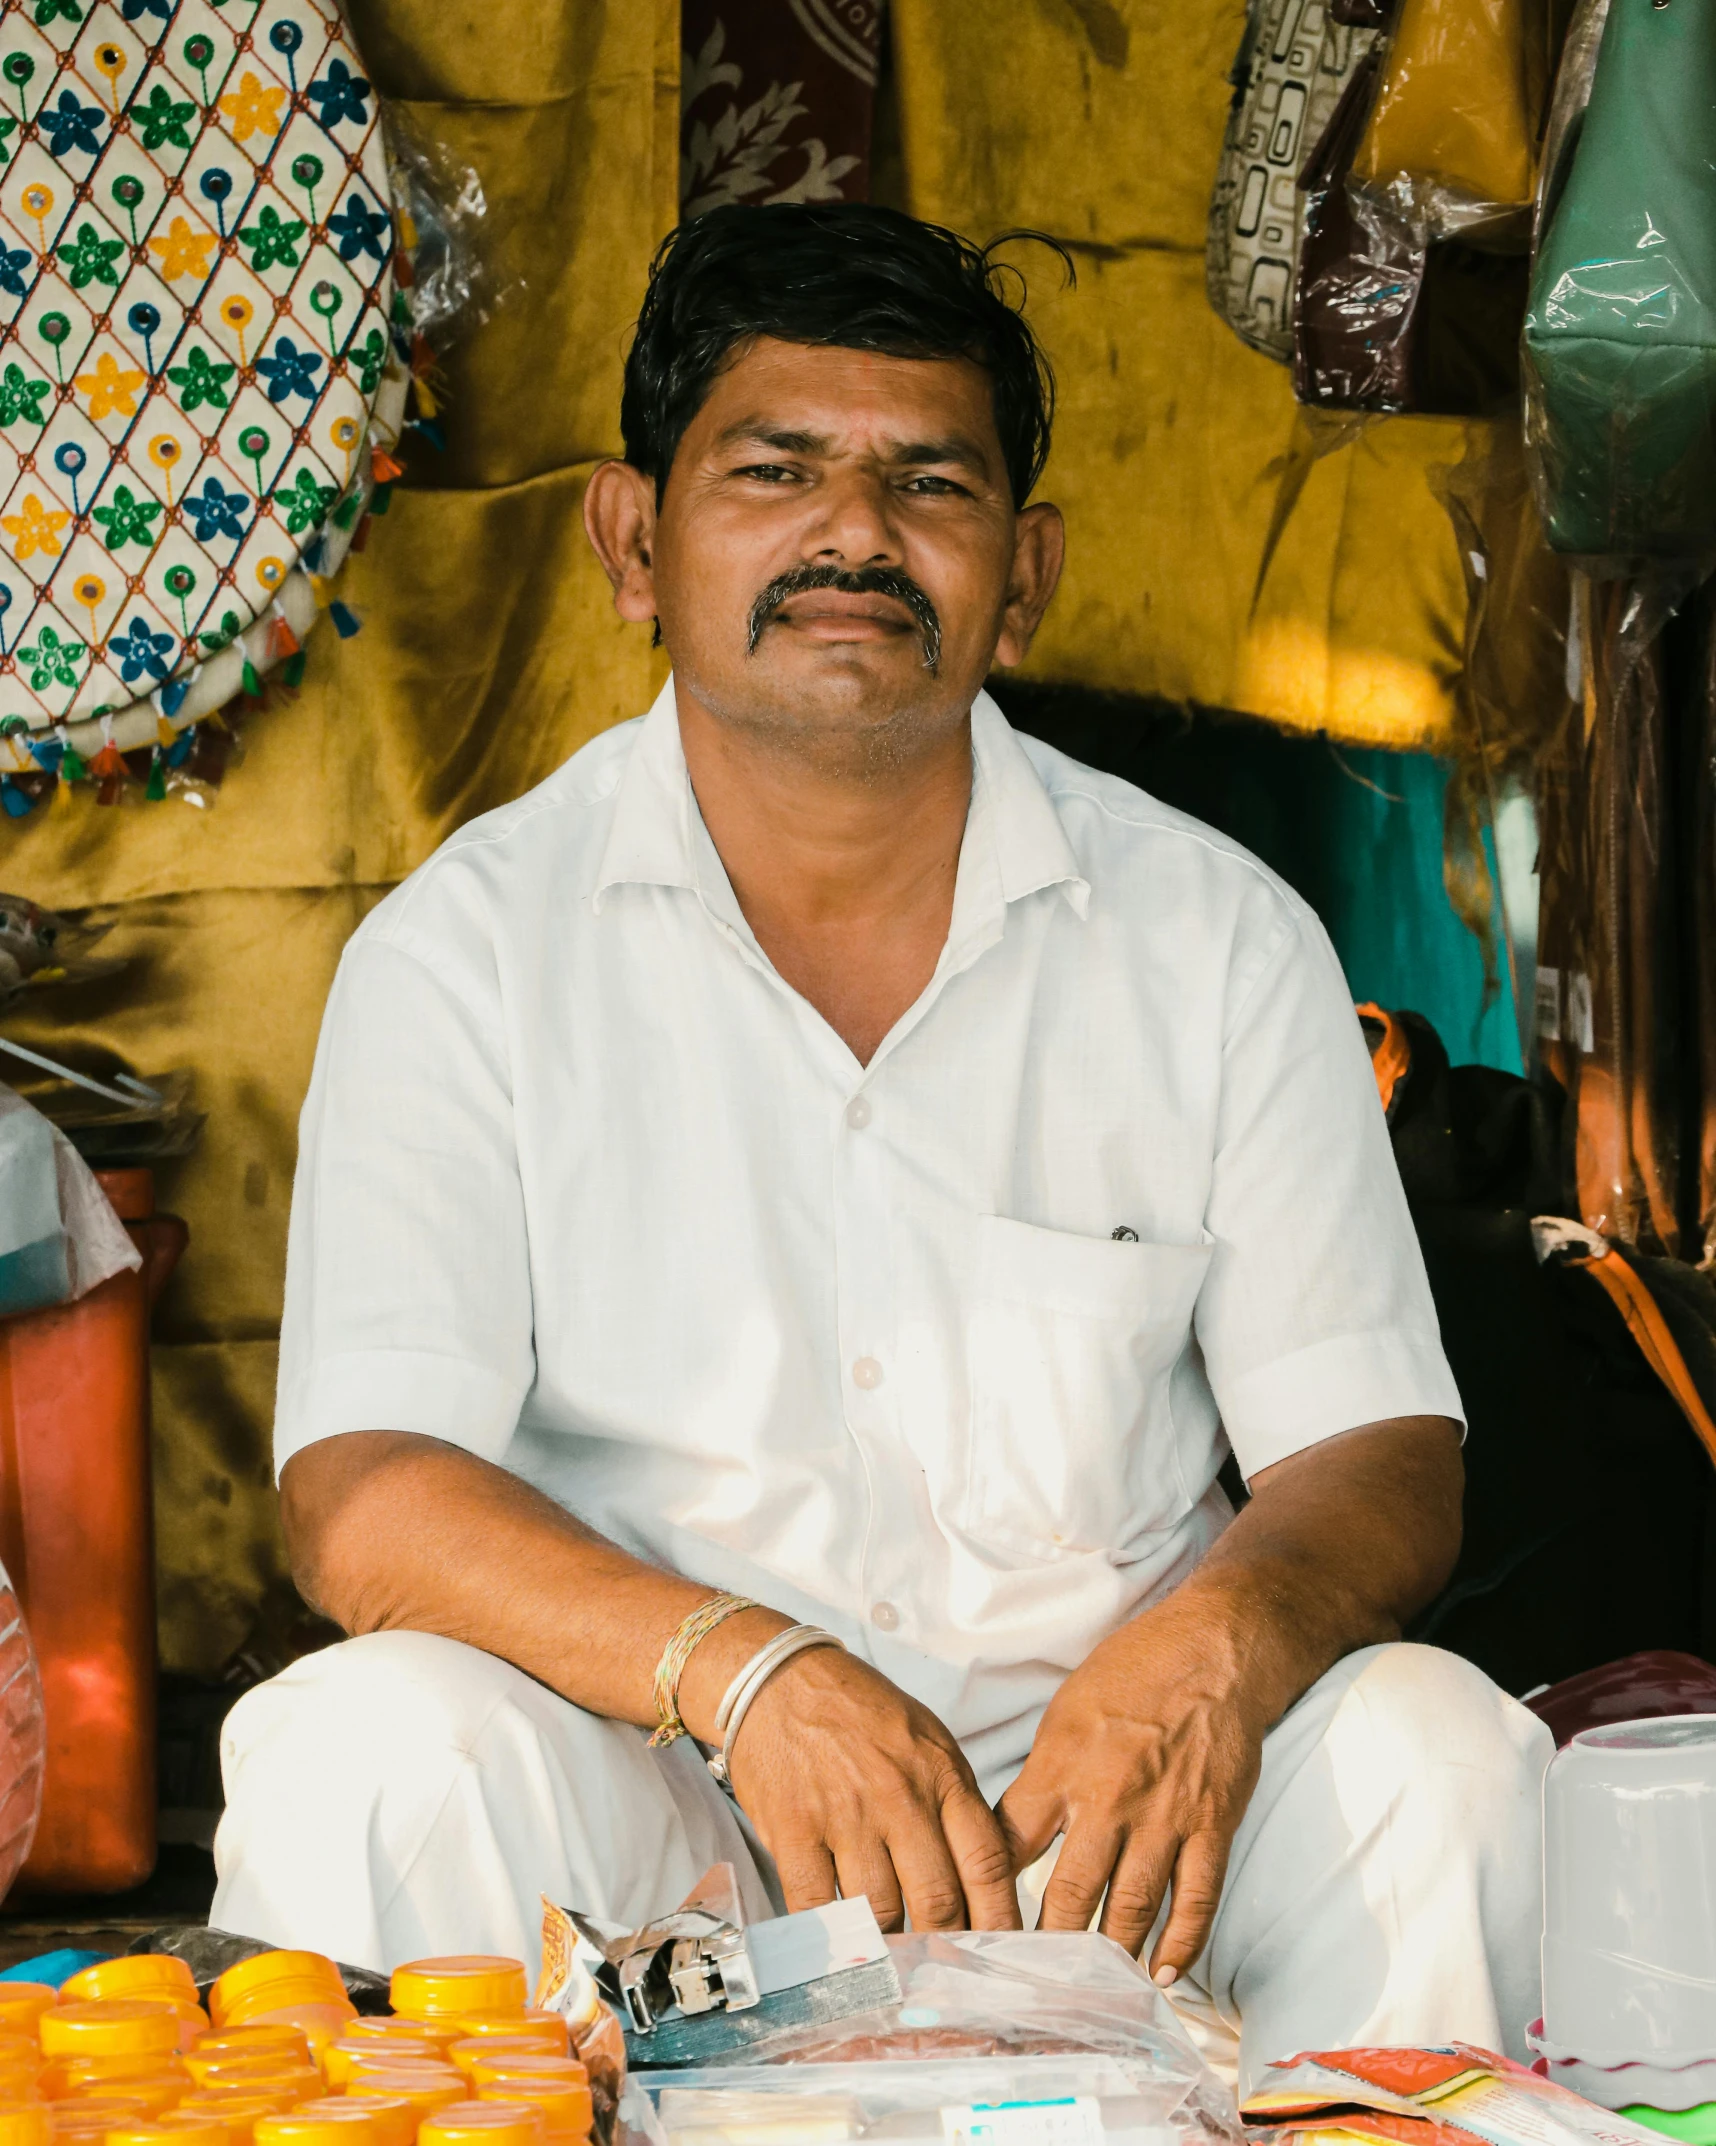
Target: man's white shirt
(942, 1352)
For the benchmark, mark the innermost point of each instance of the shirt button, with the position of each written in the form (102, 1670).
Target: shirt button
(858, 1113)
(866, 1372)
(885, 1617)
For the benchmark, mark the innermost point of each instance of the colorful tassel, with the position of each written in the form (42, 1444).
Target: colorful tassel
(346, 622)
(252, 684)
(73, 767)
(382, 467)
(360, 535)
(173, 696)
(155, 789)
(381, 499)
(15, 800)
(293, 674)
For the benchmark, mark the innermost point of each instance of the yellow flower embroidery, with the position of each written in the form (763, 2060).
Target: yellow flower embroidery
(183, 252)
(252, 109)
(109, 389)
(37, 528)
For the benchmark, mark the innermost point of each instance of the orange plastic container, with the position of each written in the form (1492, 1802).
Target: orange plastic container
(77, 1538)
(464, 1986)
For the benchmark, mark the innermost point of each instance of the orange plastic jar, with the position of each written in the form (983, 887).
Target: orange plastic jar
(341, 2059)
(424, 2089)
(485, 2123)
(540, 2030)
(120, 2027)
(320, 2123)
(156, 2090)
(96, 2115)
(235, 2113)
(396, 2121)
(154, 1976)
(255, 2060)
(213, 2129)
(293, 1989)
(559, 2086)
(279, 2040)
(22, 2005)
(464, 1986)
(25, 2123)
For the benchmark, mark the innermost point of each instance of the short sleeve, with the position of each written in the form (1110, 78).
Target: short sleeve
(1316, 1315)
(408, 1300)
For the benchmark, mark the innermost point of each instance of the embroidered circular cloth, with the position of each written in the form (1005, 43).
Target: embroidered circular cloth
(196, 291)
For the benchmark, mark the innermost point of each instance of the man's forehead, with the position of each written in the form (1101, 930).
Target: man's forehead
(818, 398)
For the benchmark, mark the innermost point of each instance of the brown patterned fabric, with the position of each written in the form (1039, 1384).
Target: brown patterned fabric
(777, 98)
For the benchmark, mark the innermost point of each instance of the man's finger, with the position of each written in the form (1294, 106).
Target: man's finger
(806, 1871)
(1140, 1879)
(934, 1897)
(862, 1865)
(1198, 1877)
(984, 1859)
(1028, 1821)
(1081, 1872)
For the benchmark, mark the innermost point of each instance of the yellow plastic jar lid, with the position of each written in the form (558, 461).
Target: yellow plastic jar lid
(277, 2037)
(121, 2026)
(485, 2123)
(425, 2090)
(97, 2113)
(272, 1980)
(342, 2058)
(547, 2029)
(566, 2104)
(25, 2123)
(146, 2132)
(248, 2060)
(319, 2123)
(396, 2121)
(463, 1986)
(135, 1974)
(215, 2128)
(154, 2091)
(23, 2003)
(527, 2064)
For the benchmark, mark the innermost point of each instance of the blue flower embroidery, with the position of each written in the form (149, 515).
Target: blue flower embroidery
(341, 95)
(218, 512)
(359, 230)
(13, 263)
(139, 650)
(289, 370)
(72, 125)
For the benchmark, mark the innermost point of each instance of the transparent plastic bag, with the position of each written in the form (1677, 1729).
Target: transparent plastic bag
(23, 1738)
(977, 2009)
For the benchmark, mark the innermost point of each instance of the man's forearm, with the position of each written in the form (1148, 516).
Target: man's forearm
(1337, 1549)
(390, 1531)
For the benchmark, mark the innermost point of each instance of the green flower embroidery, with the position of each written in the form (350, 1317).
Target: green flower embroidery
(224, 634)
(200, 380)
(91, 259)
(306, 504)
(8, 127)
(127, 519)
(49, 10)
(21, 397)
(163, 121)
(270, 240)
(52, 661)
(373, 360)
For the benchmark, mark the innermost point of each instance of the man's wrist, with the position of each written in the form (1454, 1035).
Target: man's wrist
(718, 1660)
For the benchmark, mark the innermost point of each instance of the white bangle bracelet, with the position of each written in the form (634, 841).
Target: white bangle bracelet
(736, 1702)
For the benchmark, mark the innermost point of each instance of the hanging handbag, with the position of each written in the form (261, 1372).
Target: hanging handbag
(1294, 62)
(1620, 338)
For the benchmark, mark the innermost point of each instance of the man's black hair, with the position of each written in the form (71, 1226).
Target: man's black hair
(838, 273)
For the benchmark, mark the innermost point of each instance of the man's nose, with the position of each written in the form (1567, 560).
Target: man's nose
(854, 525)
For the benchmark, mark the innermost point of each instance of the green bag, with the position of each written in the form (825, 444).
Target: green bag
(1620, 337)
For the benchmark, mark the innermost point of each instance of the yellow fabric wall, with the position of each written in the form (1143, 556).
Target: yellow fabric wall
(490, 652)
(1100, 121)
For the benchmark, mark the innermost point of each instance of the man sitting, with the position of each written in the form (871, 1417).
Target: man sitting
(822, 1160)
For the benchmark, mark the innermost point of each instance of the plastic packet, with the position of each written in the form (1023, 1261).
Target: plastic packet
(1075, 2098)
(567, 1986)
(59, 1236)
(39, 947)
(453, 284)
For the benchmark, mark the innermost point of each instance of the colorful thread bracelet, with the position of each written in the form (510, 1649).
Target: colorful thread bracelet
(692, 1631)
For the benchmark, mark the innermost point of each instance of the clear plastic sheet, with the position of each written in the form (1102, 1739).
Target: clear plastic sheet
(981, 2004)
(1620, 337)
(454, 284)
(23, 1738)
(1451, 146)
(1626, 992)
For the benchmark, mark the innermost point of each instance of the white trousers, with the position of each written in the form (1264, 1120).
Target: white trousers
(401, 1795)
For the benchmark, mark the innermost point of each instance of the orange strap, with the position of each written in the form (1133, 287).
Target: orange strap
(1649, 1329)
(1391, 1061)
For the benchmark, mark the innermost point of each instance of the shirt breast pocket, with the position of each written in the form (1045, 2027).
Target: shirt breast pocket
(1071, 1346)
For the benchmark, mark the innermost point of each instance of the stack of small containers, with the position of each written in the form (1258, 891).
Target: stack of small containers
(125, 2055)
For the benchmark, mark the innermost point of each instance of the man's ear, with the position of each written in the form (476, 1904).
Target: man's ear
(1039, 552)
(619, 520)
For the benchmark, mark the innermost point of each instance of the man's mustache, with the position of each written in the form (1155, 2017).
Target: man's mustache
(863, 581)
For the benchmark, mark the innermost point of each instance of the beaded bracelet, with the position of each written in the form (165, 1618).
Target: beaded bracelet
(692, 1632)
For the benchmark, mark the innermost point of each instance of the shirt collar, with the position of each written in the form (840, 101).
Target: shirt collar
(1014, 842)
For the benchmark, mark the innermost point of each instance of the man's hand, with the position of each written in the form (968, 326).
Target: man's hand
(1145, 1762)
(854, 1786)
(1146, 1757)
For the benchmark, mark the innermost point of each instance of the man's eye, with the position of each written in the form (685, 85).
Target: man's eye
(928, 486)
(768, 472)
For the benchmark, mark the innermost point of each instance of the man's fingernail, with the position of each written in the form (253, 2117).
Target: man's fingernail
(1165, 1977)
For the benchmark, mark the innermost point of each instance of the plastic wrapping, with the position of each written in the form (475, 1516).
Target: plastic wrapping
(1620, 338)
(1451, 145)
(451, 279)
(1383, 319)
(1292, 67)
(23, 1738)
(1626, 978)
(59, 1236)
(979, 2004)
